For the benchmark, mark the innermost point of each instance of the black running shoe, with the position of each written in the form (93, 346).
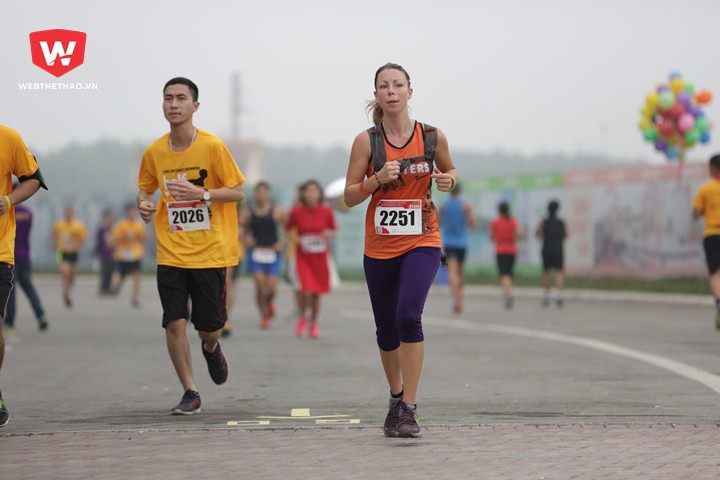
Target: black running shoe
(43, 324)
(408, 422)
(189, 404)
(4, 416)
(217, 365)
(392, 420)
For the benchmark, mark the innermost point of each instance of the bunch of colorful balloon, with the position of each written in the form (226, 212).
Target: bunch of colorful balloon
(672, 118)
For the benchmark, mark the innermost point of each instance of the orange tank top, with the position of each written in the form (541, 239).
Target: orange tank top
(401, 215)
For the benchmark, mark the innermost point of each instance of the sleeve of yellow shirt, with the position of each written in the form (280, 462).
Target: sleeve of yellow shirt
(227, 171)
(699, 202)
(147, 180)
(24, 163)
(82, 232)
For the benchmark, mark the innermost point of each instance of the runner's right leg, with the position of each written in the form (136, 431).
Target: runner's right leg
(453, 266)
(66, 275)
(179, 350)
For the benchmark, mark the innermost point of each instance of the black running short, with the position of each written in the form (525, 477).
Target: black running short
(236, 271)
(553, 261)
(6, 284)
(458, 253)
(712, 252)
(126, 268)
(505, 264)
(70, 257)
(204, 286)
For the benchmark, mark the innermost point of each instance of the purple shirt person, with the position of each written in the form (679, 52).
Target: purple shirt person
(104, 252)
(23, 270)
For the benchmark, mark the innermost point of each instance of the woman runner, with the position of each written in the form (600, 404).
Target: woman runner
(262, 222)
(314, 224)
(402, 240)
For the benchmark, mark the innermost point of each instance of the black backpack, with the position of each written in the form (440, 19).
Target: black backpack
(379, 157)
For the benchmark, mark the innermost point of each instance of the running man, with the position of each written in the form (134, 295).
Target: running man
(394, 163)
(456, 217)
(23, 271)
(262, 222)
(16, 160)
(553, 233)
(707, 204)
(197, 229)
(505, 231)
(128, 240)
(70, 235)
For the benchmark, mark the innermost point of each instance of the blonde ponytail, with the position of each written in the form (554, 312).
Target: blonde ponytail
(377, 112)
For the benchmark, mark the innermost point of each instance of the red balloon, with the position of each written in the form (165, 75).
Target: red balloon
(677, 110)
(663, 112)
(667, 128)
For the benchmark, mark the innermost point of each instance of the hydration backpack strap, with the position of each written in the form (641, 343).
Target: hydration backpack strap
(378, 156)
(430, 141)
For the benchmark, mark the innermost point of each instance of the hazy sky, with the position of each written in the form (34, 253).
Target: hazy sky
(524, 76)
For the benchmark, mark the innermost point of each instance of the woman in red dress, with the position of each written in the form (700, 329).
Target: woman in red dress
(314, 225)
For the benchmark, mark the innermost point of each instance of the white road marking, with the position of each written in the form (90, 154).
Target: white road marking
(690, 372)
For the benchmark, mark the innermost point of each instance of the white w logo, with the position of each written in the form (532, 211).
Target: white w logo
(57, 51)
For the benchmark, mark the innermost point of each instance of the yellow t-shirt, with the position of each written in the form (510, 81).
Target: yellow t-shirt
(209, 164)
(128, 238)
(69, 236)
(15, 159)
(707, 201)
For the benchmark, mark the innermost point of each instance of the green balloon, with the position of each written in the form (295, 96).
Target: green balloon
(650, 133)
(667, 99)
(692, 137)
(689, 87)
(701, 124)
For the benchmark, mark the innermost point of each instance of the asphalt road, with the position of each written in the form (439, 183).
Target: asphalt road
(602, 359)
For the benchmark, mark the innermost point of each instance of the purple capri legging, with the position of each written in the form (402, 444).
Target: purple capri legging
(398, 289)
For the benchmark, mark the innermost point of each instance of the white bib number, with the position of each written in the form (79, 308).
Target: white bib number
(313, 243)
(188, 215)
(264, 255)
(127, 255)
(398, 217)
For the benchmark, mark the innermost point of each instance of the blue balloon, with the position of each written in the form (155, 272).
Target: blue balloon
(704, 137)
(672, 153)
(675, 74)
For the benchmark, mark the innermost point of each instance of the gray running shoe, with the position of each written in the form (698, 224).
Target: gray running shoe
(408, 425)
(509, 302)
(189, 404)
(392, 420)
(4, 416)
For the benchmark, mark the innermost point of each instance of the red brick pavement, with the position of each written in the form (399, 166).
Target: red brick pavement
(486, 452)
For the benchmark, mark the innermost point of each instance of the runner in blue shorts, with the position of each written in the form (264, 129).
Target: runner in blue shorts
(262, 222)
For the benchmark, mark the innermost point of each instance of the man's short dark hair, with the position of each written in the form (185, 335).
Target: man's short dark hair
(715, 162)
(184, 81)
(504, 209)
(553, 207)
